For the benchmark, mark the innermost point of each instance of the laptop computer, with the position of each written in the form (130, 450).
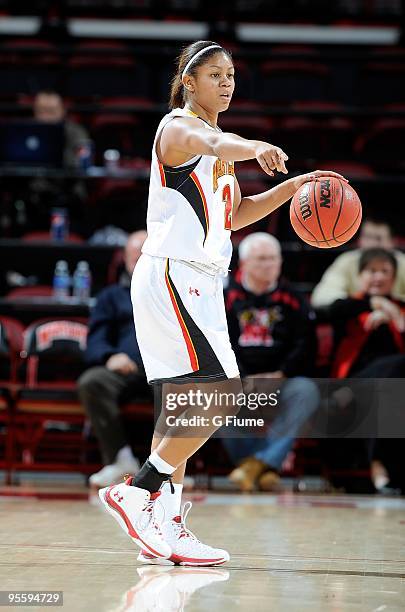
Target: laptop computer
(31, 143)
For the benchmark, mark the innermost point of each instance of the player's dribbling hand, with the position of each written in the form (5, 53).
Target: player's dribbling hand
(271, 158)
(312, 176)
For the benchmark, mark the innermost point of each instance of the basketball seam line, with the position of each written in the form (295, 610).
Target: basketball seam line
(318, 218)
(340, 210)
(346, 230)
(349, 228)
(301, 223)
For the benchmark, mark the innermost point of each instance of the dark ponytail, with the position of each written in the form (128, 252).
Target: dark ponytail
(177, 93)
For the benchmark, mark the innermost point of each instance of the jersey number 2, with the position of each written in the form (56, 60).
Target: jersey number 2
(227, 200)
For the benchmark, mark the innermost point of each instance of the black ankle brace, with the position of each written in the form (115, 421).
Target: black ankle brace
(150, 479)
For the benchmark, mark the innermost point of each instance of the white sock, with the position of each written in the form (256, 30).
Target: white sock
(160, 464)
(171, 502)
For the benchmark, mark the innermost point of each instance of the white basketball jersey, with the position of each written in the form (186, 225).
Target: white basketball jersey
(190, 207)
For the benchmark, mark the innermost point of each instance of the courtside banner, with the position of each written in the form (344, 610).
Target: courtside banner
(294, 407)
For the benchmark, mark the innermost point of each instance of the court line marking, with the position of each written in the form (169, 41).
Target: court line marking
(286, 558)
(272, 570)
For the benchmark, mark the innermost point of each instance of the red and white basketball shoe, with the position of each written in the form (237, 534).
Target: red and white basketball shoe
(186, 548)
(137, 512)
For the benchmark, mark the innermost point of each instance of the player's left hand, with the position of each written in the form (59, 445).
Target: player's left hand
(317, 174)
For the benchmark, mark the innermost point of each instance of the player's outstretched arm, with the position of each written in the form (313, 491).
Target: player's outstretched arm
(249, 209)
(187, 135)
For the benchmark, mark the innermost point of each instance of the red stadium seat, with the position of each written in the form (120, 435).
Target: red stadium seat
(297, 50)
(243, 79)
(27, 292)
(383, 143)
(102, 46)
(124, 132)
(350, 169)
(52, 355)
(382, 83)
(284, 82)
(247, 126)
(306, 138)
(21, 70)
(45, 237)
(11, 340)
(53, 352)
(300, 137)
(92, 71)
(30, 50)
(121, 203)
(49, 418)
(127, 102)
(317, 105)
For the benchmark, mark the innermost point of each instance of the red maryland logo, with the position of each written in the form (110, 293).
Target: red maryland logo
(48, 333)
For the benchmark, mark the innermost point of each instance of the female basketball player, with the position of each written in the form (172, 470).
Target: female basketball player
(194, 203)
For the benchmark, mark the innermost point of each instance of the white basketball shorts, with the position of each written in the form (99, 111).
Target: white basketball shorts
(180, 322)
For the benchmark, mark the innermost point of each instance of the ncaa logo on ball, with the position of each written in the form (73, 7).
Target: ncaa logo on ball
(325, 194)
(305, 208)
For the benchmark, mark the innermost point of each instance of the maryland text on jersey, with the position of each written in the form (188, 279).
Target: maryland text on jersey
(221, 168)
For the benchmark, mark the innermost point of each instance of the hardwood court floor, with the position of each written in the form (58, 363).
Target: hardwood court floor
(288, 553)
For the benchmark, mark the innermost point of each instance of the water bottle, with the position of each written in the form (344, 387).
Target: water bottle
(85, 154)
(61, 280)
(82, 281)
(111, 159)
(59, 224)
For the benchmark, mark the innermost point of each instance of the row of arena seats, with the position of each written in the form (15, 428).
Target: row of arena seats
(111, 68)
(375, 141)
(39, 366)
(320, 138)
(202, 9)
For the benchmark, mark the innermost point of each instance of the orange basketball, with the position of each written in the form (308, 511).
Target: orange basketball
(325, 212)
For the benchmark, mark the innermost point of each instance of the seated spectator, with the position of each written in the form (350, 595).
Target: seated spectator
(116, 371)
(44, 193)
(341, 279)
(271, 331)
(371, 324)
(370, 343)
(49, 108)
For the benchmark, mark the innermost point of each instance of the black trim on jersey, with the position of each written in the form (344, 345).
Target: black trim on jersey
(178, 175)
(180, 180)
(210, 366)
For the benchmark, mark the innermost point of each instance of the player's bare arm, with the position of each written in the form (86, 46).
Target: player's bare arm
(185, 137)
(248, 209)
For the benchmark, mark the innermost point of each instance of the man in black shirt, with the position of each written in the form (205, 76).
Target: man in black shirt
(116, 371)
(272, 333)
